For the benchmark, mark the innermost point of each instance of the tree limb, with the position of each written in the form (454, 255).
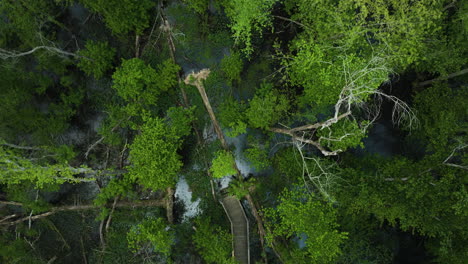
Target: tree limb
(453, 75)
(6, 54)
(20, 147)
(122, 204)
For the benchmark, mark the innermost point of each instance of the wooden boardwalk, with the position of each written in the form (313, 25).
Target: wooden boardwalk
(239, 228)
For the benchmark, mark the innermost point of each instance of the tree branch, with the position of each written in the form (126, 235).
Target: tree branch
(6, 54)
(453, 75)
(146, 203)
(20, 147)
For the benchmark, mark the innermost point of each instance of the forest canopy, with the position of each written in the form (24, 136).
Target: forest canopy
(243, 131)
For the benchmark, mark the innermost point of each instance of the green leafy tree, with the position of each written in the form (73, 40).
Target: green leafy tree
(96, 58)
(179, 119)
(154, 231)
(266, 108)
(248, 18)
(199, 6)
(325, 72)
(231, 116)
(399, 26)
(14, 250)
(140, 85)
(223, 164)
(25, 20)
(240, 188)
(123, 17)
(232, 66)
(213, 243)
(441, 114)
(17, 168)
(257, 154)
(300, 214)
(154, 157)
(136, 80)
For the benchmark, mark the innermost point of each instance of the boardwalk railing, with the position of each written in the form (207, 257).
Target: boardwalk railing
(239, 228)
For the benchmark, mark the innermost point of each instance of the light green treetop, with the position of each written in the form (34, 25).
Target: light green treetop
(247, 18)
(134, 78)
(153, 155)
(140, 85)
(17, 168)
(153, 231)
(300, 214)
(213, 243)
(223, 164)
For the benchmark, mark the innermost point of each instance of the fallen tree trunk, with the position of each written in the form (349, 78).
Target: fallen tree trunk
(122, 204)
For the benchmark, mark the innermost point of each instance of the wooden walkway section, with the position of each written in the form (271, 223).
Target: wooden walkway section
(239, 228)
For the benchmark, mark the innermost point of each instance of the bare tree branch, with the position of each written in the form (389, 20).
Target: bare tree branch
(20, 147)
(353, 94)
(6, 54)
(122, 204)
(459, 147)
(441, 78)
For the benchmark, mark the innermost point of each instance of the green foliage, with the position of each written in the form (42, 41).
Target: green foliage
(97, 58)
(179, 119)
(223, 164)
(418, 196)
(257, 154)
(266, 108)
(17, 250)
(18, 169)
(23, 109)
(213, 243)
(301, 215)
(231, 116)
(442, 115)
(287, 170)
(167, 75)
(232, 66)
(400, 27)
(123, 16)
(247, 18)
(153, 155)
(324, 72)
(342, 135)
(115, 187)
(199, 6)
(240, 188)
(449, 248)
(367, 241)
(153, 231)
(25, 18)
(134, 79)
(140, 85)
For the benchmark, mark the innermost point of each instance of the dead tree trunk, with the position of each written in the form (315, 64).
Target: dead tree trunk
(122, 204)
(196, 80)
(170, 205)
